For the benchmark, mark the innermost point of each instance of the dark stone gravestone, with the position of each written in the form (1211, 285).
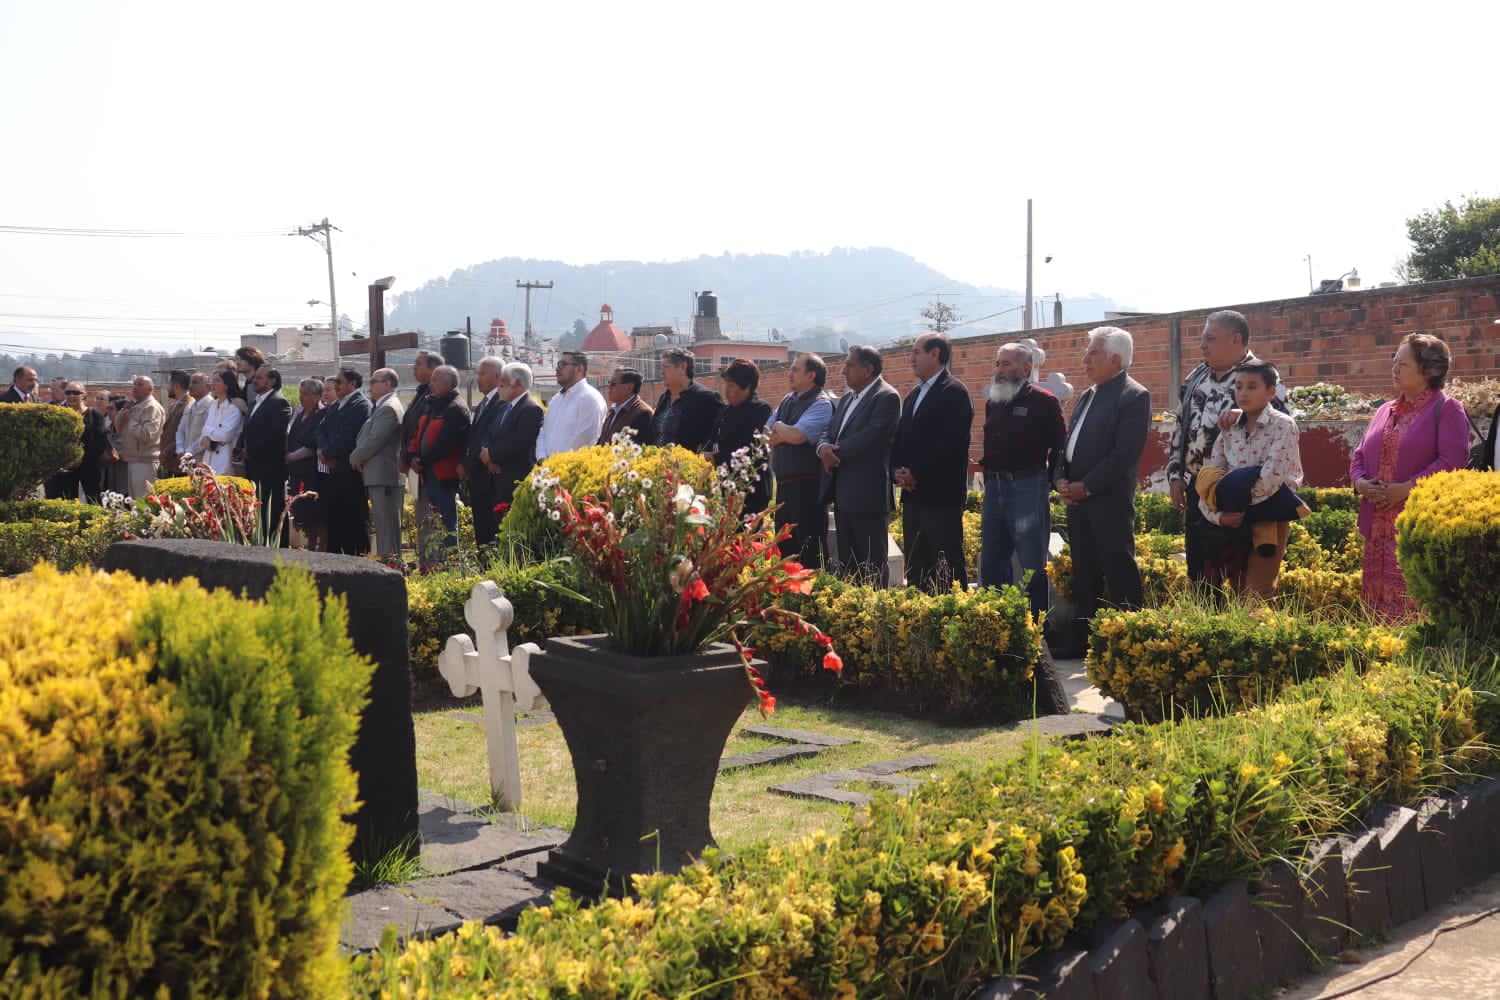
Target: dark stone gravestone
(1065, 974)
(385, 753)
(1365, 869)
(1437, 847)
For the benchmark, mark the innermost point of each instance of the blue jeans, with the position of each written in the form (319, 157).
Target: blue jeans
(1016, 520)
(443, 496)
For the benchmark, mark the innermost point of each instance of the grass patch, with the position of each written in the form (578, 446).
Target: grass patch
(451, 761)
(402, 863)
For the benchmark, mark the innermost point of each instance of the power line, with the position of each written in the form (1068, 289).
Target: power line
(129, 319)
(93, 232)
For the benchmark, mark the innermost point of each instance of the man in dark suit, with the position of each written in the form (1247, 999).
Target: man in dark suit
(855, 449)
(627, 410)
(480, 482)
(930, 464)
(685, 412)
(23, 384)
(510, 446)
(264, 444)
(347, 505)
(1095, 474)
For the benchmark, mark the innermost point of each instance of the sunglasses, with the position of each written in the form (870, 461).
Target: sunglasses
(72, 392)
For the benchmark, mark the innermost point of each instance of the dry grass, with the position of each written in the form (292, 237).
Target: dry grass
(451, 761)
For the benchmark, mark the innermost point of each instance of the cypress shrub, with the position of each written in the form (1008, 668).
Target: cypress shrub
(36, 440)
(176, 782)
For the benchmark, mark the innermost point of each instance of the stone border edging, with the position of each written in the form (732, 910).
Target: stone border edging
(1245, 938)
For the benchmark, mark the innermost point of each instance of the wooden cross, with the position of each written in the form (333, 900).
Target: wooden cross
(503, 678)
(378, 343)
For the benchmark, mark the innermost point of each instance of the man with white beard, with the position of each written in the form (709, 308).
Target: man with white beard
(1023, 429)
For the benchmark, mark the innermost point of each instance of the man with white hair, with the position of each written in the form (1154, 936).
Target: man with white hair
(374, 458)
(480, 483)
(1023, 430)
(139, 423)
(509, 449)
(1096, 473)
(437, 451)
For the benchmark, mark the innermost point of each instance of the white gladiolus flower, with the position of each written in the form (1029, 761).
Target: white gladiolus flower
(683, 498)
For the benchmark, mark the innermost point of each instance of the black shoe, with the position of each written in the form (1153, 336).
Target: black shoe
(1068, 652)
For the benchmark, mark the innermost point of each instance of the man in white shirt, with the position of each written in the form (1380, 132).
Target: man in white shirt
(575, 414)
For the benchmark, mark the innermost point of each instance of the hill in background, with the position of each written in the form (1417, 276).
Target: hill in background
(872, 295)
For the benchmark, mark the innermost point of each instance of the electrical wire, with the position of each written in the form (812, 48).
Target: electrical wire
(1426, 946)
(90, 231)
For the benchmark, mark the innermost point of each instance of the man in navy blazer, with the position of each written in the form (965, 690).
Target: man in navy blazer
(347, 504)
(930, 465)
(480, 481)
(1096, 473)
(855, 449)
(264, 442)
(509, 450)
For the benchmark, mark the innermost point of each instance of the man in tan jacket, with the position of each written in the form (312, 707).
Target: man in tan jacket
(139, 425)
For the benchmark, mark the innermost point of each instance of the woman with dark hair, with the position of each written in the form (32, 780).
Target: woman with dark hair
(221, 428)
(737, 424)
(304, 478)
(1420, 432)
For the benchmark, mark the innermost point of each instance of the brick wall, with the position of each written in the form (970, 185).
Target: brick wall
(1347, 338)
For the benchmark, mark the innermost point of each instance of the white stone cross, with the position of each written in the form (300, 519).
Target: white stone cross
(502, 677)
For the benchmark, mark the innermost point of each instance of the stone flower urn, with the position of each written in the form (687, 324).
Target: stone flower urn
(646, 734)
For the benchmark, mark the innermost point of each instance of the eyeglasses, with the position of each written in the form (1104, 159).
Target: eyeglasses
(72, 392)
(567, 364)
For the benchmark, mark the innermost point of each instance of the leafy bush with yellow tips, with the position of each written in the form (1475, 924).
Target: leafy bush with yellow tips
(36, 440)
(174, 784)
(1448, 544)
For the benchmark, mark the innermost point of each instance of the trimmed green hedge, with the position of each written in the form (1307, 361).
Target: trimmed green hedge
(66, 533)
(176, 786)
(36, 441)
(959, 655)
(974, 873)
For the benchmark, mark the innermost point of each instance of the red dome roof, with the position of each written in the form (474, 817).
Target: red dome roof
(606, 337)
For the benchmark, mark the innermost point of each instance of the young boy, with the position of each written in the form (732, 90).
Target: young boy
(1251, 477)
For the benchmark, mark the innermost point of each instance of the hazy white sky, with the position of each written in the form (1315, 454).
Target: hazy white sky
(1179, 155)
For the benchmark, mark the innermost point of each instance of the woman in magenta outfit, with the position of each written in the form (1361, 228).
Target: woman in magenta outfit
(1420, 432)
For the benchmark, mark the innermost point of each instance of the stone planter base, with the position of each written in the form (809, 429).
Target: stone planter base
(646, 735)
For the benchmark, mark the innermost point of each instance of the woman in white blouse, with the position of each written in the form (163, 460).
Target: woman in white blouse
(222, 428)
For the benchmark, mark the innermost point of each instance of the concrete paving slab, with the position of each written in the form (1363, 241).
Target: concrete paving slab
(1464, 962)
(455, 839)
(1082, 693)
(799, 736)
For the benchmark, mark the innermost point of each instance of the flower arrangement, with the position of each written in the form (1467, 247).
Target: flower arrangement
(198, 505)
(671, 570)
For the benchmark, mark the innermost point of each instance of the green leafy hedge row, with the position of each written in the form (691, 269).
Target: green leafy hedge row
(66, 533)
(959, 655)
(917, 897)
(36, 440)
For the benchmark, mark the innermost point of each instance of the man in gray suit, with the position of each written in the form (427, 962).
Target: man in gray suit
(855, 449)
(1096, 473)
(375, 457)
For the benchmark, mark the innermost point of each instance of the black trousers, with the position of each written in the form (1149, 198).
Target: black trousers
(272, 493)
(482, 502)
(348, 512)
(1101, 531)
(933, 537)
(803, 508)
(864, 554)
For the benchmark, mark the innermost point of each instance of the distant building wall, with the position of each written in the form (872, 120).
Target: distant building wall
(1347, 338)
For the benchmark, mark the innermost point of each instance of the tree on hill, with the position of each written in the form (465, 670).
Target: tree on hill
(940, 316)
(1454, 241)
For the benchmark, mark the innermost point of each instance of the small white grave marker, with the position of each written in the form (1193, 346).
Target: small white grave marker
(503, 678)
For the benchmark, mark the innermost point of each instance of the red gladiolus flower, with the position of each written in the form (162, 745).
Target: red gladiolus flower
(767, 703)
(501, 508)
(824, 640)
(832, 661)
(697, 590)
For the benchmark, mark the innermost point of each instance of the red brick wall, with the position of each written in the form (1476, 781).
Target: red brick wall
(1347, 338)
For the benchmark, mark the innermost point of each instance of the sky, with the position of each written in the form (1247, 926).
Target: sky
(1178, 155)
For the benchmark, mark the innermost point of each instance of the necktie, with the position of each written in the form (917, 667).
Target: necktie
(504, 412)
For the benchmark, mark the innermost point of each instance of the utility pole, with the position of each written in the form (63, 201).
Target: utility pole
(529, 285)
(325, 230)
(1028, 263)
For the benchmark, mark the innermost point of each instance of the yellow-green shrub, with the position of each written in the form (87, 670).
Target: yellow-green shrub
(1318, 588)
(583, 472)
(65, 533)
(1321, 498)
(1163, 575)
(36, 440)
(1195, 657)
(173, 784)
(973, 873)
(178, 487)
(963, 654)
(1448, 544)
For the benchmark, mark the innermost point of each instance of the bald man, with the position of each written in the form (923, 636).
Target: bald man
(139, 423)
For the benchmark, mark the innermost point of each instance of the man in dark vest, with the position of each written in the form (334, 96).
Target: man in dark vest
(795, 427)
